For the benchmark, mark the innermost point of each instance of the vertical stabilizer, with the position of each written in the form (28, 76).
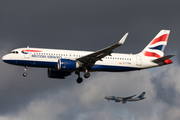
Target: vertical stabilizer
(156, 47)
(142, 95)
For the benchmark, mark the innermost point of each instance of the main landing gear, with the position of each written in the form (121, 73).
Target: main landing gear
(123, 102)
(79, 79)
(25, 71)
(86, 74)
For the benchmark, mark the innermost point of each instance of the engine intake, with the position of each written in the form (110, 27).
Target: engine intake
(67, 64)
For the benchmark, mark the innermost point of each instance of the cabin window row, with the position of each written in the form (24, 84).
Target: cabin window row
(116, 58)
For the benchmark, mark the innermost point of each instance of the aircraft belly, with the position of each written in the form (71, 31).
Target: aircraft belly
(32, 63)
(133, 99)
(111, 68)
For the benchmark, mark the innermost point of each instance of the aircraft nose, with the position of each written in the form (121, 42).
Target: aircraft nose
(106, 97)
(5, 58)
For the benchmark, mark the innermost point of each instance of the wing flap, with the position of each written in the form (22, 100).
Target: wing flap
(125, 98)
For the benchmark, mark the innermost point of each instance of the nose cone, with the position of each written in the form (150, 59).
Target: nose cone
(106, 97)
(5, 58)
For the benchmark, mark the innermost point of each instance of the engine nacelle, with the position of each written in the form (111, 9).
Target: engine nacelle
(55, 73)
(67, 64)
(117, 100)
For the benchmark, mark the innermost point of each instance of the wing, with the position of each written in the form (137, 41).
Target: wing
(125, 98)
(90, 59)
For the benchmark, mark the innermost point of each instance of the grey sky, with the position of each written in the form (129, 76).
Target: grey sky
(88, 25)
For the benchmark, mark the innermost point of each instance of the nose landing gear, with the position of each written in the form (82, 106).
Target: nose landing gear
(25, 71)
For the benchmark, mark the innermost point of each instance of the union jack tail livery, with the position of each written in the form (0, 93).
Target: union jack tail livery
(156, 47)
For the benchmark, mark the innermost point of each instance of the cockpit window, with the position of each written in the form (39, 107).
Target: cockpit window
(14, 52)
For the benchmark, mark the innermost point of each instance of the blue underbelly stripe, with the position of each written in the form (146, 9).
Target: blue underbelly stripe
(113, 68)
(54, 65)
(32, 63)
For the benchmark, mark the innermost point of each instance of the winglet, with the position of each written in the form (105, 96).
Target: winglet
(123, 39)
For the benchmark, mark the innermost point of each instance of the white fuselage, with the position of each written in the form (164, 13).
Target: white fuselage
(48, 58)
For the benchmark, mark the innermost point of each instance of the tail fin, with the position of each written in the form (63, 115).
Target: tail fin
(142, 95)
(156, 47)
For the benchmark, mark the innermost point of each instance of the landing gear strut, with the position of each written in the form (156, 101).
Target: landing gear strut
(79, 80)
(123, 102)
(86, 74)
(25, 71)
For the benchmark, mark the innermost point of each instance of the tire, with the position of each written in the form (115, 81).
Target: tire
(79, 80)
(86, 75)
(24, 74)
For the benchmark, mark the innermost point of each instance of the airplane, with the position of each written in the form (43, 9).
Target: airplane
(124, 99)
(62, 63)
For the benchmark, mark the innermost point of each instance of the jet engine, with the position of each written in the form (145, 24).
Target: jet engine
(117, 100)
(67, 64)
(55, 73)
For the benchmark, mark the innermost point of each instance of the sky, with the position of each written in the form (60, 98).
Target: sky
(88, 26)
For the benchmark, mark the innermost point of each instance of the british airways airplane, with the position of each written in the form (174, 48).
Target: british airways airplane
(61, 63)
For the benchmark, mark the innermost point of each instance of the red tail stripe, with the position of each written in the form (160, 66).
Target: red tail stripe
(151, 54)
(161, 38)
(31, 51)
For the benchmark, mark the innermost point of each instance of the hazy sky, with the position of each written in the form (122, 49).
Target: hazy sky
(88, 25)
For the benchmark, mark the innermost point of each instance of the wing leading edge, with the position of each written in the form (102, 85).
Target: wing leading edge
(90, 59)
(125, 98)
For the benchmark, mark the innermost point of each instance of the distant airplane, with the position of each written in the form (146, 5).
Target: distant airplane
(61, 63)
(124, 99)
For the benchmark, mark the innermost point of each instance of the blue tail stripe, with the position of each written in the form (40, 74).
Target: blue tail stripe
(160, 47)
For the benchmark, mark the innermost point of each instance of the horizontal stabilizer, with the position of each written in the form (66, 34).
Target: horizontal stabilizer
(162, 58)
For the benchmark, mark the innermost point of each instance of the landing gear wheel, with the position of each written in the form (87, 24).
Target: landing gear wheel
(123, 102)
(25, 71)
(86, 75)
(79, 80)
(24, 74)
